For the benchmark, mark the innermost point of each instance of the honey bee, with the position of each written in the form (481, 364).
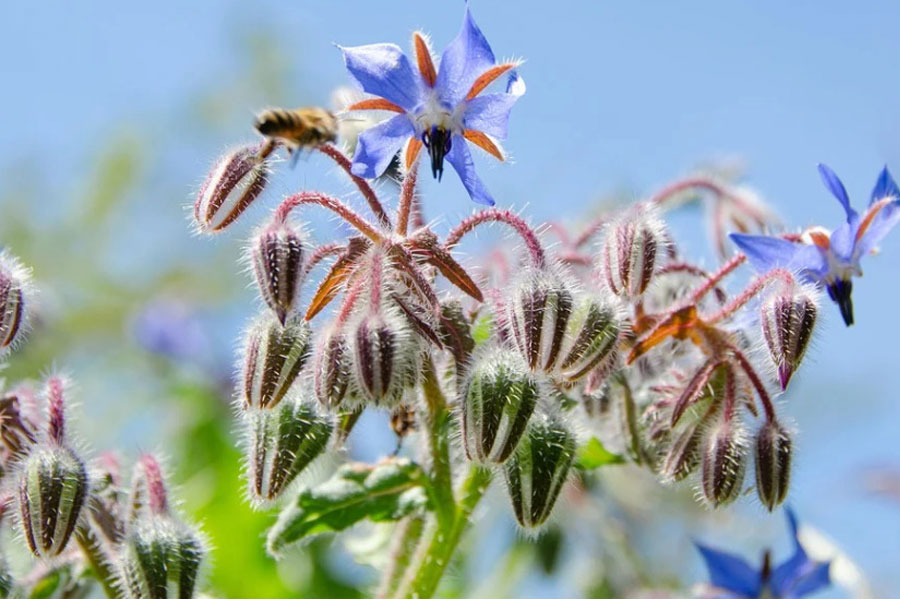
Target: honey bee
(299, 128)
(403, 421)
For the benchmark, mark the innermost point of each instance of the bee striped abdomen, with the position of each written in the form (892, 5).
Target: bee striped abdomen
(302, 127)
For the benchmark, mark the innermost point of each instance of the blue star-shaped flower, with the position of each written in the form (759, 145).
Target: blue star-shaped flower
(831, 259)
(441, 109)
(796, 577)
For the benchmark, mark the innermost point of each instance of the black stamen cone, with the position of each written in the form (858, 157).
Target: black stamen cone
(437, 140)
(840, 291)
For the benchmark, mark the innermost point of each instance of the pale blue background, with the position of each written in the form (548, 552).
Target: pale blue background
(626, 94)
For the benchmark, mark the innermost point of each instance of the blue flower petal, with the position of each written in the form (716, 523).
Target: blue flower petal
(881, 224)
(885, 187)
(766, 253)
(833, 183)
(489, 113)
(463, 61)
(730, 572)
(808, 580)
(378, 145)
(461, 159)
(383, 70)
(843, 240)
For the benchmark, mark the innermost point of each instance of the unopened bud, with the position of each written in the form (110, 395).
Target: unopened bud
(539, 308)
(787, 322)
(631, 251)
(498, 400)
(273, 357)
(682, 456)
(236, 180)
(276, 252)
(592, 335)
(332, 368)
(14, 285)
(455, 331)
(724, 462)
(385, 355)
(283, 442)
(537, 470)
(17, 432)
(773, 463)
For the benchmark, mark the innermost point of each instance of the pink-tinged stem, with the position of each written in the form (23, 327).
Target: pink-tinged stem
(332, 152)
(755, 381)
(321, 253)
(56, 418)
(733, 263)
(700, 183)
(407, 193)
(349, 302)
(375, 281)
(755, 287)
(157, 498)
(332, 204)
(495, 215)
(590, 231)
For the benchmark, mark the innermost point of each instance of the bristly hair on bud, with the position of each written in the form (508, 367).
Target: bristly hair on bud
(282, 443)
(53, 483)
(498, 399)
(331, 368)
(161, 555)
(788, 319)
(592, 336)
(276, 253)
(773, 463)
(537, 470)
(631, 250)
(235, 181)
(273, 355)
(682, 455)
(724, 460)
(15, 291)
(385, 354)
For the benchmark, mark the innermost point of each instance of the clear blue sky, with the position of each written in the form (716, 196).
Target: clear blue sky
(626, 94)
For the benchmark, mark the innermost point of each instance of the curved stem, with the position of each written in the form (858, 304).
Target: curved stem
(320, 254)
(673, 189)
(332, 204)
(407, 193)
(714, 279)
(755, 287)
(494, 215)
(332, 152)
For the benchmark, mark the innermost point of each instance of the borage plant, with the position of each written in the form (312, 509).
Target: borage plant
(613, 326)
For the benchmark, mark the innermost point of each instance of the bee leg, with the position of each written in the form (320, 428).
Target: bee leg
(294, 153)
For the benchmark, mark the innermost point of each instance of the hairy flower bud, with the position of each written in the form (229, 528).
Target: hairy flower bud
(53, 484)
(724, 462)
(498, 399)
(773, 463)
(538, 311)
(537, 470)
(631, 252)
(160, 556)
(787, 322)
(14, 284)
(385, 355)
(276, 253)
(236, 180)
(682, 456)
(591, 337)
(332, 368)
(282, 443)
(273, 357)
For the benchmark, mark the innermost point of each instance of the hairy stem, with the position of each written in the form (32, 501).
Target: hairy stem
(438, 445)
(407, 194)
(495, 215)
(406, 540)
(714, 279)
(332, 204)
(332, 152)
(755, 287)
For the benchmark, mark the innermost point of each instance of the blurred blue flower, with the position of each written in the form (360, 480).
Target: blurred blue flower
(831, 259)
(441, 109)
(170, 328)
(733, 577)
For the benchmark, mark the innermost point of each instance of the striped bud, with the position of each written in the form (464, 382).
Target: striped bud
(592, 335)
(787, 322)
(276, 253)
(773, 463)
(682, 456)
(283, 442)
(538, 311)
(160, 555)
(332, 369)
(385, 356)
(498, 399)
(537, 470)
(631, 252)
(14, 285)
(273, 357)
(236, 180)
(53, 484)
(724, 462)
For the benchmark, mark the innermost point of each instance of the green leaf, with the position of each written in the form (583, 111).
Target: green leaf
(593, 455)
(387, 491)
